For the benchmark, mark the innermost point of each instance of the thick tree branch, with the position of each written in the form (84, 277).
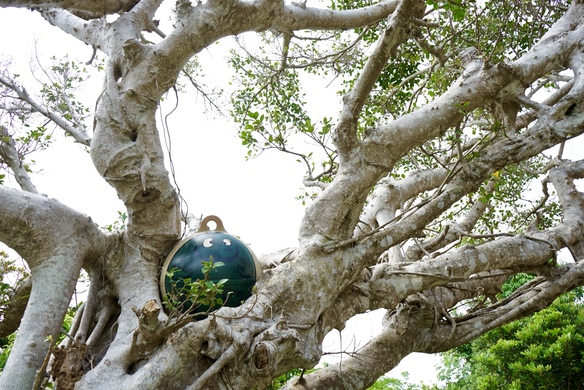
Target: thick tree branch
(126, 151)
(93, 33)
(204, 24)
(33, 225)
(390, 196)
(295, 17)
(453, 231)
(396, 32)
(388, 284)
(56, 242)
(478, 83)
(493, 157)
(417, 326)
(368, 293)
(364, 366)
(542, 292)
(531, 115)
(87, 8)
(460, 264)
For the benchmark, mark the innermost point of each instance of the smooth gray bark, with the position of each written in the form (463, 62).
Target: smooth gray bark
(349, 259)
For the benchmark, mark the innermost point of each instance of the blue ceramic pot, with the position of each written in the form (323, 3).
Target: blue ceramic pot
(239, 265)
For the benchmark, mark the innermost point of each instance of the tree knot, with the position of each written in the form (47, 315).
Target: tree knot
(263, 357)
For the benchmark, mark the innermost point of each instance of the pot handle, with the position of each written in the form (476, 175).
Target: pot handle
(204, 227)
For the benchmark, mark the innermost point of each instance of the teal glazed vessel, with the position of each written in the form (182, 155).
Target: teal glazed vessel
(240, 266)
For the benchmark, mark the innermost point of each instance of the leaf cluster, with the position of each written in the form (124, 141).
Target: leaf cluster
(195, 297)
(21, 125)
(270, 107)
(59, 93)
(543, 351)
(119, 225)
(390, 383)
(11, 276)
(26, 116)
(269, 102)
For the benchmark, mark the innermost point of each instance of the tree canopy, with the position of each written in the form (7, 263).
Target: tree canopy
(442, 172)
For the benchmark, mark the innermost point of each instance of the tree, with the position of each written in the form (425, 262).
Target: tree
(416, 192)
(538, 352)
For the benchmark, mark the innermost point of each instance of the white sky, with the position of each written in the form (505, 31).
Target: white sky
(255, 199)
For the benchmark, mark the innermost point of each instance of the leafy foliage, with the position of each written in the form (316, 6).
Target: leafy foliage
(271, 111)
(59, 93)
(389, 383)
(189, 296)
(119, 225)
(269, 103)
(21, 126)
(282, 379)
(24, 115)
(514, 282)
(192, 73)
(11, 276)
(543, 351)
(5, 348)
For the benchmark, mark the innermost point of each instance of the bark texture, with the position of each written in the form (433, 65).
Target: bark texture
(361, 245)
